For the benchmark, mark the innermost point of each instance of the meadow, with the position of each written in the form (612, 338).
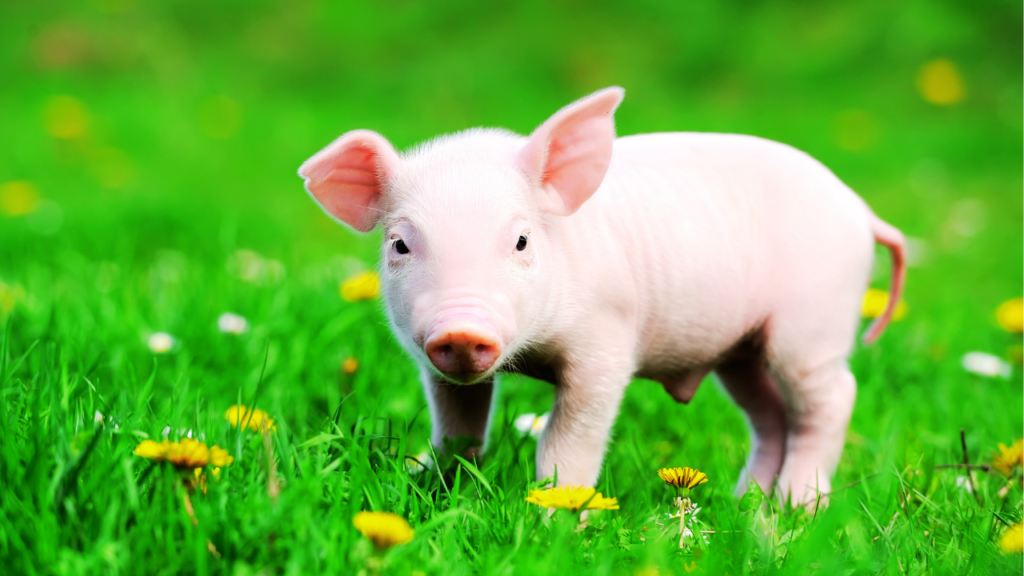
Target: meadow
(148, 187)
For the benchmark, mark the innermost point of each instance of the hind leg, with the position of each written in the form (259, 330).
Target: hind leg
(819, 404)
(747, 379)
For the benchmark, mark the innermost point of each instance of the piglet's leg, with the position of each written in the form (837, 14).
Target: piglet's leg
(459, 413)
(587, 400)
(819, 406)
(751, 385)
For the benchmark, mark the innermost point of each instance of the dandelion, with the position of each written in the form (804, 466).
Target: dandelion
(683, 480)
(362, 286)
(257, 420)
(531, 424)
(160, 342)
(1010, 315)
(984, 364)
(187, 454)
(384, 529)
(876, 300)
(1009, 458)
(572, 498)
(230, 323)
(1013, 539)
(350, 365)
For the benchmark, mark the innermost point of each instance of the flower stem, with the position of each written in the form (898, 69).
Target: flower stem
(682, 520)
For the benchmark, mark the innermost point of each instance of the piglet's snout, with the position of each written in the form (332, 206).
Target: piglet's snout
(462, 349)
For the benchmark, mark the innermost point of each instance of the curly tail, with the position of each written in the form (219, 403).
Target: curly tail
(891, 238)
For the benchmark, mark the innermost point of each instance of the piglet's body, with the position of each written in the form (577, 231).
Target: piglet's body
(586, 260)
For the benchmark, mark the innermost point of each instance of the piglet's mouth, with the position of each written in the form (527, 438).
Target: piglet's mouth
(463, 349)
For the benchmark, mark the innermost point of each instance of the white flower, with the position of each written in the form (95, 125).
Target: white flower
(161, 342)
(230, 323)
(422, 463)
(963, 482)
(531, 424)
(97, 417)
(986, 364)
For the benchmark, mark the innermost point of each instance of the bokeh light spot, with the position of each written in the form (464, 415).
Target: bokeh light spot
(220, 117)
(66, 118)
(940, 83)
(857, 130)
(18, 198)
(112, 168)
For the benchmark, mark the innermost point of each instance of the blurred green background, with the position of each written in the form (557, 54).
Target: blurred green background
(147, 184)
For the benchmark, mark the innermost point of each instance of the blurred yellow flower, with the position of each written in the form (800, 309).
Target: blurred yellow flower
(187, 454)
(876, 300)
(257, 420)
(384, 529)
(683, 478)
(1009, 458)
(1013, 539)
(18, 198)
(9, 297)
(66, 118)
(571, 498)
(362, 286)
(350, 365)
(1010, 315)
(939, 82)
(152, 450)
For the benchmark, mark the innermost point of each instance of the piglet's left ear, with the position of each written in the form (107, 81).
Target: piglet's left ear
(567, 157)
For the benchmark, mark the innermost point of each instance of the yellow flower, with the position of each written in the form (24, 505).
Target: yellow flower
(1013, 539)
(384, 529)
(875, 302)
(571, 498)
(220, 457)
(683, 478)
(152, 450)
(1010, 315)
(350, 365)
(1009, 457)
(939, 82)
(256, 420)
(362, 286)
(186, 455)
(18, 198)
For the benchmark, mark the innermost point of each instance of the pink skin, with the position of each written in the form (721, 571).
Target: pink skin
(587, 260)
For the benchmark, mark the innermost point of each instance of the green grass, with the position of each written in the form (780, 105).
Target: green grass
(147, 208)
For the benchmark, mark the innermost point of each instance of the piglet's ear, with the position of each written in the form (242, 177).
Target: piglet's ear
(566, 157)
(347, 178)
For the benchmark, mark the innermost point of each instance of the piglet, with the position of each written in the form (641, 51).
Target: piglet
(586, 260)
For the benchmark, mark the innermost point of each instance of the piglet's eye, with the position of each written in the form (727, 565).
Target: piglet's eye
(400, 247)
(521, 245)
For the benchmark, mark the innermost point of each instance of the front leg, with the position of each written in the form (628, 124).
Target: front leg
(587, 400)
(459, 411)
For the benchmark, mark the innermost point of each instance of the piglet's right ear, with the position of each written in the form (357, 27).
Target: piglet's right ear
(347, 177)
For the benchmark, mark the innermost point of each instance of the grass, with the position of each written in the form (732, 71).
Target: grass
(172, 203)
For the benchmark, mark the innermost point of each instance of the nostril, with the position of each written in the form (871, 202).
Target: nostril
(445, 349)
(481, 348)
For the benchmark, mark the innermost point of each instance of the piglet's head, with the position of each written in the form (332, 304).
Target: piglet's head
(466, 222)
